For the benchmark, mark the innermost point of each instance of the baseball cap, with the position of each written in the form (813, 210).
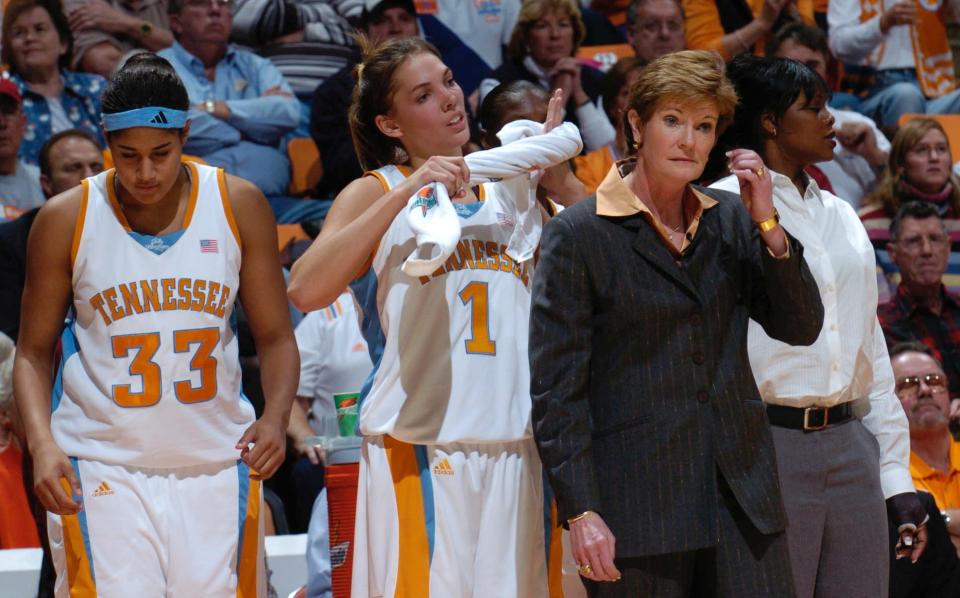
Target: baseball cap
(10, 89)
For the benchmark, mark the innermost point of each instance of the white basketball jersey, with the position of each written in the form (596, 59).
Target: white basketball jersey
(449, 349)
(150, 375)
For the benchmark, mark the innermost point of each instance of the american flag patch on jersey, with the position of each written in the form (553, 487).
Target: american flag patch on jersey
(504, 219)
(209, 246)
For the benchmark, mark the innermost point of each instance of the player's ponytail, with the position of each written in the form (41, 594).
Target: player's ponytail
(373, 96)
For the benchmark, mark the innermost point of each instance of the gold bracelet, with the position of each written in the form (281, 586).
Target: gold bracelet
(578, 517)
(770, 223)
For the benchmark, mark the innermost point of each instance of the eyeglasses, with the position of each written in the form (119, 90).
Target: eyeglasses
(915, 243)
(654, 26)
(908, 386)
(924, 149)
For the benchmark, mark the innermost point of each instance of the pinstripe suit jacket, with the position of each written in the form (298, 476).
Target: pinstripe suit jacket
(641, 385)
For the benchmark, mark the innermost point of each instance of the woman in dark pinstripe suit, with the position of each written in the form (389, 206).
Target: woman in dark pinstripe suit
(645, 412)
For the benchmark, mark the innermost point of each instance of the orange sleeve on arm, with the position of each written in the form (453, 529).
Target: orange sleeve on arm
(704, 30)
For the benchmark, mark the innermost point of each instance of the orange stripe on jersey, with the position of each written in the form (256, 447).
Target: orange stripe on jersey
(381, 178)
(250, 557)
(114, 202)
(79, 578)
(81, 218)
(555, 560)
(413, 576)
(194, 189)
(225, 198)
(404, 170)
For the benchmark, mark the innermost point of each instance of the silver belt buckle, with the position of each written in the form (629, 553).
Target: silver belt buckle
(806, 418)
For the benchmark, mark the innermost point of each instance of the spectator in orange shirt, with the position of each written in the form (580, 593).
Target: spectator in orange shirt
(921, 387)
(732, 27)
(17, 527)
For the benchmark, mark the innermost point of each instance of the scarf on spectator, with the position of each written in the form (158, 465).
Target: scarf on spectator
(516, 164)
(931, 51)
(940, 198)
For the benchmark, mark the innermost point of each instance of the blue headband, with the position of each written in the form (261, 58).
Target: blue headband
(151, 116)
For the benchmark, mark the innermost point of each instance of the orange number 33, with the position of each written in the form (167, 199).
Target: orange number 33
(143, 365)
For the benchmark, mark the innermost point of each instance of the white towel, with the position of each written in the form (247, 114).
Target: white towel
(517, 163)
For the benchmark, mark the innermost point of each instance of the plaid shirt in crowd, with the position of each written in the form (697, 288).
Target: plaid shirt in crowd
(903, 319)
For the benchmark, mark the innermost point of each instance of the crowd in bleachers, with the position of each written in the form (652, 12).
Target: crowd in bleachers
(262, 75)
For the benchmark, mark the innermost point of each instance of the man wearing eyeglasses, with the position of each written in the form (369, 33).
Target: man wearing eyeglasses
(922, 309)
(921, 386)
(655, 28)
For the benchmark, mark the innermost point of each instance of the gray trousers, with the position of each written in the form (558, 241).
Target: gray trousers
(837, 522)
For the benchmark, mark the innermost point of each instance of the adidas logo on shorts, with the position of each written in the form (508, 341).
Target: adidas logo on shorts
(102, 490)
(443, 468)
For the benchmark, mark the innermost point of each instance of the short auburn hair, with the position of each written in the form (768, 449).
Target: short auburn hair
(689, 76)
(532, 11)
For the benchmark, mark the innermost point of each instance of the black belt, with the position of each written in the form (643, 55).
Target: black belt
(808, 419)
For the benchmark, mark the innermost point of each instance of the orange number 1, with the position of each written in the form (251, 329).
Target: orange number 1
(476, 292)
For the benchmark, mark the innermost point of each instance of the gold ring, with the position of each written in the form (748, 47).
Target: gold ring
(586, 569)
(760, 171)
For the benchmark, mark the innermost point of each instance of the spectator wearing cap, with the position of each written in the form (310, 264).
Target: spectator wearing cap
(922, 309)
(37, 46)
(655, 28)
(19, 182)
(65, 159)
(328, 112)
(862, 149)
(241, 106)
(896, 56)
(105, 30)
(921, 386)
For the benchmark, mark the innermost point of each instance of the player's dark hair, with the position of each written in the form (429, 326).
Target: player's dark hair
(144, 80)
(505, 96)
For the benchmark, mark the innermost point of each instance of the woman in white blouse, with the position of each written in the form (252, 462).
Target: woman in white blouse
(841, 436)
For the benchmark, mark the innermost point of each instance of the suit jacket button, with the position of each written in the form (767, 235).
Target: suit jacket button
(702, 396)
(698, 358)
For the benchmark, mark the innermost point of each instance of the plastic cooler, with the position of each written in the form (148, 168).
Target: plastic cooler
(342, 478)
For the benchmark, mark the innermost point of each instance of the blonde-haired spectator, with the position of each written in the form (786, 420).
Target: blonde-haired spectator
(541, 50)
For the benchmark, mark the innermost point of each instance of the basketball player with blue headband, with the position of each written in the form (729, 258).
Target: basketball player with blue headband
(147, 456)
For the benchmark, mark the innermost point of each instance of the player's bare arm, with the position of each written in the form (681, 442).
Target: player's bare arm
(46, 298)
(358, 219)
(264, 302)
